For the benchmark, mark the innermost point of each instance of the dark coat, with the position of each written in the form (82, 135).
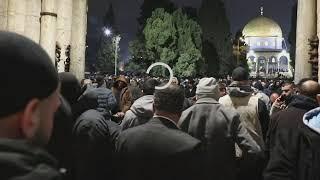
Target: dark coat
(219, 129)
(100, 99)
(158, 150)
(20, 160)
(283, 138)
(61, 139)
(94, 151)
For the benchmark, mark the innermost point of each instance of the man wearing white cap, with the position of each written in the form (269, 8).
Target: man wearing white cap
(219, 129)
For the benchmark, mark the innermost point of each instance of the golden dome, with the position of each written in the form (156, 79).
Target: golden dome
(262, 27)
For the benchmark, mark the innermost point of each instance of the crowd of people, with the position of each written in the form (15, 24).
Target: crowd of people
(124, 128)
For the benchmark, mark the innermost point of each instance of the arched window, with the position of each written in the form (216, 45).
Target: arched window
(283, 64)
(262, 64)
(272, 65)
(252, 64)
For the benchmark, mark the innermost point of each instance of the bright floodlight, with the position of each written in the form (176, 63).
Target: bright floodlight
(107, 31)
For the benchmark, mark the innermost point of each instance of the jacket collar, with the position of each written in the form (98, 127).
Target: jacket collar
(207, 101)
(165, 121)
(30, 152)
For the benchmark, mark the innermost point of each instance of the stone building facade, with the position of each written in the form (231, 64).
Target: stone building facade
(59, 26)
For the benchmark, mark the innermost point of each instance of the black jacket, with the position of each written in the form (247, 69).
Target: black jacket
(158, 150)
(20, 160)
(94, 139)
(283, 138)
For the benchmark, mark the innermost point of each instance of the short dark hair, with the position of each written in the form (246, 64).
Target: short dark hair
(170, 99)
(240, 74)
(149, 86)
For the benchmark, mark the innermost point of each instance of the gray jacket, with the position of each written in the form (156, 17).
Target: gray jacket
(219, 129)
(140, 112)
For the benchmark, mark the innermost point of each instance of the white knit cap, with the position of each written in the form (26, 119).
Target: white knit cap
(208, 87)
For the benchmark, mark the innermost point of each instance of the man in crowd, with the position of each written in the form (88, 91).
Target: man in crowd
(287, 90)
(219, 129)
(284, 140)
(142, 109)
(159, 150)
(253, 113)
(29, 98)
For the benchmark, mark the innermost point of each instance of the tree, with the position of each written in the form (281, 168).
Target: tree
(148, 7)
(174, 39)
(106, 52)
(216, 34)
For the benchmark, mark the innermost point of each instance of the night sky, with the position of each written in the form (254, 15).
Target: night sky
(127, 11)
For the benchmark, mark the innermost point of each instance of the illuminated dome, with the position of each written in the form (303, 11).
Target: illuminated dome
(262, 27)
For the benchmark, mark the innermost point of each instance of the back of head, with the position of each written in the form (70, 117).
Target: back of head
(169, 100)
(240, 74)
(258, 85)
(208, 88)
(149, 85)
(70, 87)
(100, 80)
(28, 72)
(309, 88)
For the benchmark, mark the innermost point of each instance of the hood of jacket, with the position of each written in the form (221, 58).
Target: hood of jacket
(22, 159)
(312, 119)
(302, 102)
(143, 106)
(237, 90)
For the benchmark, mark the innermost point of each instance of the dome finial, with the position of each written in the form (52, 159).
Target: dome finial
(261, 10)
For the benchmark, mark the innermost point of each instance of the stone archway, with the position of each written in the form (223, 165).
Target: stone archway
(272, 65)
(283, 64)
(262, 65)
(252, 63)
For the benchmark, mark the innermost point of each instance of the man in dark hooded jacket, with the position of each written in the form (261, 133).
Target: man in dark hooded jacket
(283, 137)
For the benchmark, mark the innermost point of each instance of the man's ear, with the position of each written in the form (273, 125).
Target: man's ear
(30, 118)
(318, 98)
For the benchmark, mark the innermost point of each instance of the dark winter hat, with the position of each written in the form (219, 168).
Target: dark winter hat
(27, 71)
(240, 74)
(70, 87)
(149, 86)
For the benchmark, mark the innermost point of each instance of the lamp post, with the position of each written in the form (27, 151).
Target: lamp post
(115, 40)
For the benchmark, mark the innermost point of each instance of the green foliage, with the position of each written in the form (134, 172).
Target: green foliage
(105, 57)
(134, 67)
(174, 39)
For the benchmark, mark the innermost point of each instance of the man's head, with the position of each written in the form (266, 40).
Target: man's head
(207, 88)
(149, 85)
(121, 83)
(309, 88)
(273, 97)
(240, 74)
(30, 94)
(222, 89)
(169, 101)
(287, 89)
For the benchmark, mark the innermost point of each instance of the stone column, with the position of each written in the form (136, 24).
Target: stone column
(78, 38)
(306, 28)
(16, 16)
(64, 24)
(48, 33)
(32, 27)
(3, 14)
(318, 34)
